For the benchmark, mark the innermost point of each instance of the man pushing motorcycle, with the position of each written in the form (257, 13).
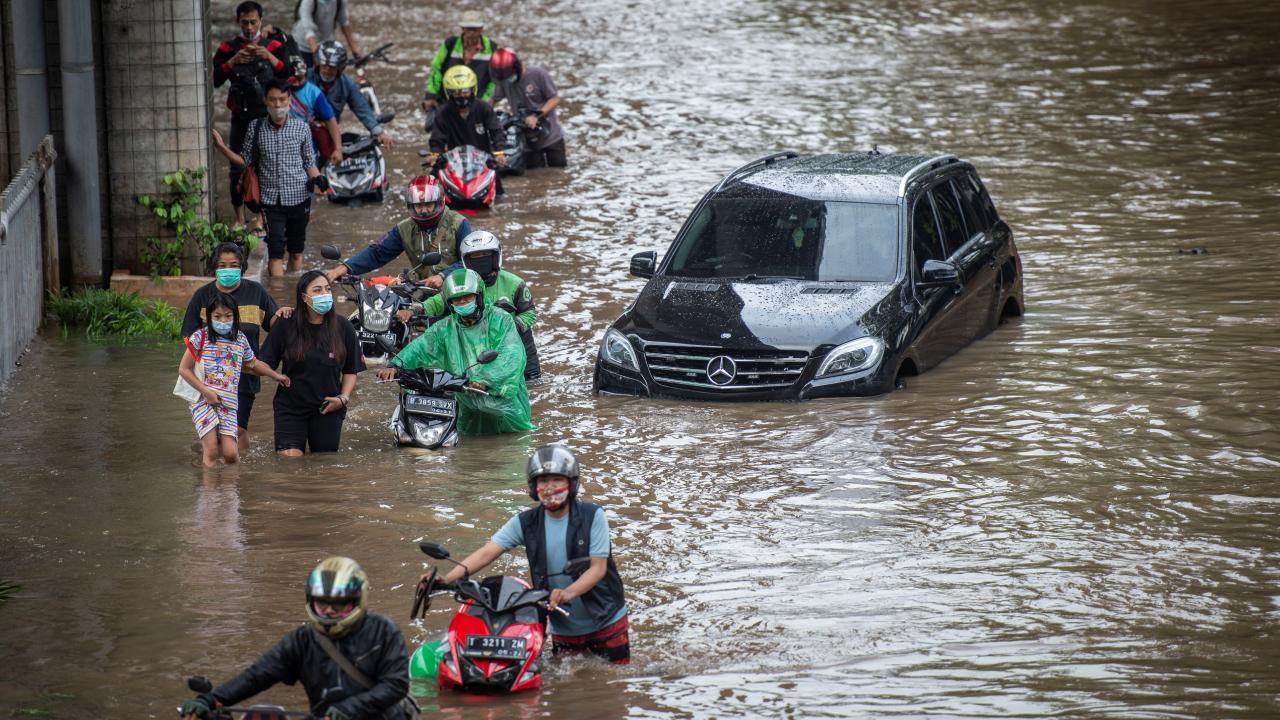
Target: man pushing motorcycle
(500, 401)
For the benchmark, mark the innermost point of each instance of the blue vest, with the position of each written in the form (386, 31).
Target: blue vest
(601, 602)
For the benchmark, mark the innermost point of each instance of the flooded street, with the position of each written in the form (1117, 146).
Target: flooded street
(1077, 516)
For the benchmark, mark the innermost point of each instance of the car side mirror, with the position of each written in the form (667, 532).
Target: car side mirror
(386, 117)
(937, 273)
(433, 550)
(575, 567)
(330, 252)
(644, 264)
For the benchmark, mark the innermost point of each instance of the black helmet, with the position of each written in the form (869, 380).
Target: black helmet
(332, 53)
(552, 460)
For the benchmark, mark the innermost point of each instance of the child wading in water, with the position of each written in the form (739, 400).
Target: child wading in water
(222, 351)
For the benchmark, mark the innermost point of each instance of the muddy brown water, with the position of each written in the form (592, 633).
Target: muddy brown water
(1076, 516)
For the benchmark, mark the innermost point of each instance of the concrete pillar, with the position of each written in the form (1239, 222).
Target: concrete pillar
(30, 74)
(157, 111)
(80, 141)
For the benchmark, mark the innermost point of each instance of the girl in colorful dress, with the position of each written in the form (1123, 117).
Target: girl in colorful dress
(222, 351)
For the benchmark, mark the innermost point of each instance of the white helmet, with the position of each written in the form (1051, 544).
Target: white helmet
(482, 241)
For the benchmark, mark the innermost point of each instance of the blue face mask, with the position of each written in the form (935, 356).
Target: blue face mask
(322, 303)
(228, 277)
(465, 310)
(222, 328)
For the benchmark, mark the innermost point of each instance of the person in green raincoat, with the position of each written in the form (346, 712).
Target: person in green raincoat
(453, 345)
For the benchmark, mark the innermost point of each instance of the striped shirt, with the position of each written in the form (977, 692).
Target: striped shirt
(282, 156)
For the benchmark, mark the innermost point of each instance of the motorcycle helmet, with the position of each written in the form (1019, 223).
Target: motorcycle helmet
(504, 65)
(482, 241)
(299, 74)
(425, 189)
(336, 579)
(460, 85)
(464, 282)
(552, 460)
(333, 54)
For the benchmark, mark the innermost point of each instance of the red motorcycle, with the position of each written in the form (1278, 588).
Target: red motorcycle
(496, 637)
(469, 178)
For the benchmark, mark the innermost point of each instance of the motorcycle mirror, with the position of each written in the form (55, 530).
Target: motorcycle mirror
(330, 252)
(431, 258)
(433, 550)
(386, 117)
(388, 347)
(199, 684)
(487, 357)
(577, 566)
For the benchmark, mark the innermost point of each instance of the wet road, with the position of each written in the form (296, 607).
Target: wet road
(1075, 516)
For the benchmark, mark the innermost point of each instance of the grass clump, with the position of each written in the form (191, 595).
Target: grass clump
(110, 314)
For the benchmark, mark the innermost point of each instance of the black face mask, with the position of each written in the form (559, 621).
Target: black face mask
(462, 103)
(487, 267)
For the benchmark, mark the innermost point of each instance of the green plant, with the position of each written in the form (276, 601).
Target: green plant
(107, 313)
(177, 211)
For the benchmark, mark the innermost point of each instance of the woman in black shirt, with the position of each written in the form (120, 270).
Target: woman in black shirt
(321, 355)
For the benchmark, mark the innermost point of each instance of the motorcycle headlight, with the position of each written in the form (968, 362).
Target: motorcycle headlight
(853, 356)
(615, 349)
(376, 319)
(427, 434)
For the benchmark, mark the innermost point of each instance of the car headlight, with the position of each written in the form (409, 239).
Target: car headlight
(615, 349)
(853, 356)
(427, 434)
(376, 320)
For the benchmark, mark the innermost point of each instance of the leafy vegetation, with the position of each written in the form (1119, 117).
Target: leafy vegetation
(177, 211)
(106, 313)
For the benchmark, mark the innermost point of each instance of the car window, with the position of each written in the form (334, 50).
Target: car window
(984, 200)
(758, 232)
(975, 219)
(949, 220)
(926, 242)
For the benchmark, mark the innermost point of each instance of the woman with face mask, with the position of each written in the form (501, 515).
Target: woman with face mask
(318, 349)
(221, 351)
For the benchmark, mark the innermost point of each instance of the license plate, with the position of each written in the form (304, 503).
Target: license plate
(436, 406)
(493, 647)
(372, 337)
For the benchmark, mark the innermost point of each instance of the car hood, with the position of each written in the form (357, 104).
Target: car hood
(791, 314)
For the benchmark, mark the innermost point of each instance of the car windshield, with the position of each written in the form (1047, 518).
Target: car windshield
(757, 233)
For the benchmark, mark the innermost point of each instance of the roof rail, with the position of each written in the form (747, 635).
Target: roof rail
(931, 164)
(761, 162)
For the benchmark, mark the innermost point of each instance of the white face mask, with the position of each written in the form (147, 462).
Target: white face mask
(278, 114)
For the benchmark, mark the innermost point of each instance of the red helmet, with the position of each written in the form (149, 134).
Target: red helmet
(425, 189)
(504, 65)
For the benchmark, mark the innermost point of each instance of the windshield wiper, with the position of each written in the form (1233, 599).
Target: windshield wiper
(754, 276)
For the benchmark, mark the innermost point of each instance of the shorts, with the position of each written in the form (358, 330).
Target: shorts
(613, 643)
(246, 407)
(286, 228)
(207, 417)
(308, 430)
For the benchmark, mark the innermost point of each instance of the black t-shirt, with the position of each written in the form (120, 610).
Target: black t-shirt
(257, 307)
(480, 128)
(318, 375)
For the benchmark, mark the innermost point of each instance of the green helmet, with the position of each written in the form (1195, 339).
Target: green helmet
(463, 282)
(336, 579)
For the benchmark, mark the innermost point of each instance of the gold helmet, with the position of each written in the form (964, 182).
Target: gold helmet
(459, 79)
(336, 581)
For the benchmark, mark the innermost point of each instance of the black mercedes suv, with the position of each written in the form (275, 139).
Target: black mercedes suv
(810, 276)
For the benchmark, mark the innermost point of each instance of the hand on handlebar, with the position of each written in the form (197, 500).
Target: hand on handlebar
(387, 374)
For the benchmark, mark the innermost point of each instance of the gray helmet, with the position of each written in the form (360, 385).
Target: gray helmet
(332, 53)
(552, 460)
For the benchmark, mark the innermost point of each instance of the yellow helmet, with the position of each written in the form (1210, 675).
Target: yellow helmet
(336, 581)
(459, 78)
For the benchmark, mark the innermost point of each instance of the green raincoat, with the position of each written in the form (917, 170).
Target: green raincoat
(451, 346)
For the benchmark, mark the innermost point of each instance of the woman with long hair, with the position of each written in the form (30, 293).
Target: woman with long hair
(318, 349)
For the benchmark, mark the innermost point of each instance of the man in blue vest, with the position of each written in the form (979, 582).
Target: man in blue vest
(559, 529)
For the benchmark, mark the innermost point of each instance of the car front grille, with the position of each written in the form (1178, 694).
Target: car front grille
(691, 366)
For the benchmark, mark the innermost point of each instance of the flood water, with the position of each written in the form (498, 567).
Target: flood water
(1075, 516)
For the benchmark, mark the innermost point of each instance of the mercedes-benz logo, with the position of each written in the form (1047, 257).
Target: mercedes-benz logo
(721, 370)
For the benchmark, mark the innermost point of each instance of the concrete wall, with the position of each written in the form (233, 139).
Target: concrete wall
(157, 110)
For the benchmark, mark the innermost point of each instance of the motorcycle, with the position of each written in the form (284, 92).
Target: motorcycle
(468, 176)
(496, 636)
(378, 301)
(363, 170)
(426, 415)
(517, 145)
(200, 684)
